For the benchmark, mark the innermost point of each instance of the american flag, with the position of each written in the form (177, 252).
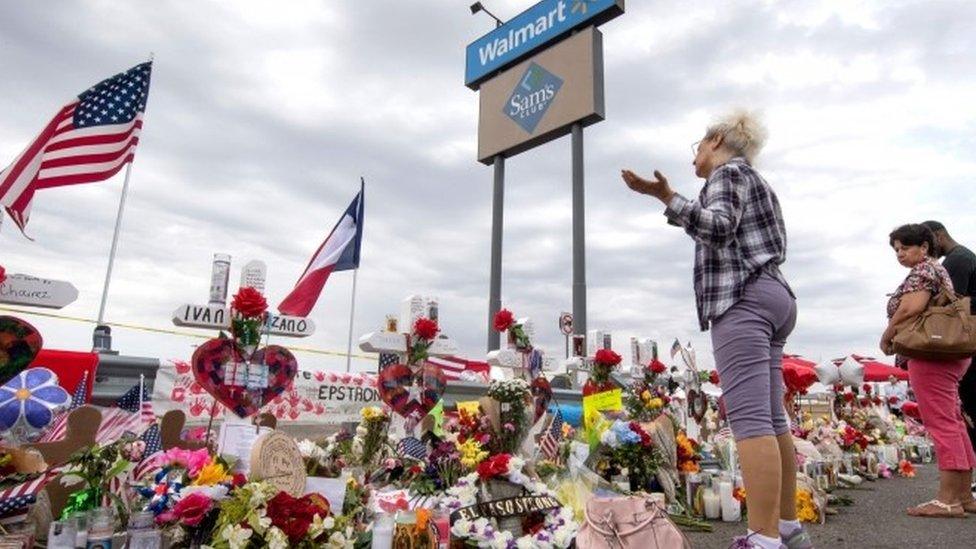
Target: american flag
(455, 368)
(388, 359)
(152, 440)
(412, 447)
(87, 141)
(16, 498)
(60, 423)
(131, 414)
(549, 442)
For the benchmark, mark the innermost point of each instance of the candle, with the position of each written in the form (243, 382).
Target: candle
(383, 532)
(713, 505)
(731, 511)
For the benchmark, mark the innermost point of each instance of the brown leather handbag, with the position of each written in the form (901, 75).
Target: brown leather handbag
(631, 522)
(945, 330)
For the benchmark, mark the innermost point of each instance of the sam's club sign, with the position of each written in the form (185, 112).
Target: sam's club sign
(530, 30)
(532, 96)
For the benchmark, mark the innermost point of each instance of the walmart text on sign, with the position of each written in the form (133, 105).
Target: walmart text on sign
(537, 26)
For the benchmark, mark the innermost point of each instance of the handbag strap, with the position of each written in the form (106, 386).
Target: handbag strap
(606, 526)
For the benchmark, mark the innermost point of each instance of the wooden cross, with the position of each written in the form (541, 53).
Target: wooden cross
(516, 359)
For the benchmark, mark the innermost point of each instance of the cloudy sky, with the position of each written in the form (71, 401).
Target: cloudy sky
(262, 117)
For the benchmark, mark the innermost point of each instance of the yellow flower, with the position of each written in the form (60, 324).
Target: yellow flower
(655, 403)
(471, 453)
(370, 413)
(646, 395)
(212, 473)
(806, 511)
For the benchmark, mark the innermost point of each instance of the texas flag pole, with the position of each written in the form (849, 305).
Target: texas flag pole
(339, 252)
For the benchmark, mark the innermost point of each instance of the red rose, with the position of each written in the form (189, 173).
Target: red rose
(864, 401)
(892, 400)
(425, 328)
(849, 397)
(666, 399)
(239, 480)
(294, 516)
(607, 357)
(867, 388)
(504, 320)
(192, 509)
(713, 377)
(838, 387)
(3, 275)
(657, 367)
(249, 303)
(494, 466)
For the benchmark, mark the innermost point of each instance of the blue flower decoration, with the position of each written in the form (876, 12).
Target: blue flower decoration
(31, 398)
(624, 433)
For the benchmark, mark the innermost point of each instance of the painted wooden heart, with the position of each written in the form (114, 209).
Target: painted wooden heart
(220, 369)
(19, 344)
(412, 395)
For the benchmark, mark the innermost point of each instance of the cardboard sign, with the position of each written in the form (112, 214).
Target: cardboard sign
(607, 401)
(276, 458)
(19, 289)
(217, 317)
(315, 397)
(470, 407)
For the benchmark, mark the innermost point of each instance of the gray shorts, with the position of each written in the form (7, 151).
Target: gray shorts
(748, 342)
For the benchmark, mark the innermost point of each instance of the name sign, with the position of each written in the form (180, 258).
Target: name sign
(21, 289)
(501, 508)
(217, 317)
(532, 29)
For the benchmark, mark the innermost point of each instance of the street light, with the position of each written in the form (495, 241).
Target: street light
(477, 6)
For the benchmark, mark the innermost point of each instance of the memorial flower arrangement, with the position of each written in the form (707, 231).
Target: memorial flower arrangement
(249, 307)
(604, 362)
(648, 396)
(421, 337)
(626, 448)
(689, 453)
(504, 321)
(806, 509)
(552, 527)
(257, 515)
(441, 469)
(371, 443)
(511, 395)
(96, 467)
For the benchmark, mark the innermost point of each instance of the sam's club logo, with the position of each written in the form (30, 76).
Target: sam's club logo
(532, 97)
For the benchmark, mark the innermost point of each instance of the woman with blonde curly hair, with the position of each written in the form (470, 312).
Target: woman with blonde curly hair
(744, 299)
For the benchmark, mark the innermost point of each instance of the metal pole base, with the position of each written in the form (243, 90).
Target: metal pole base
(102, 340)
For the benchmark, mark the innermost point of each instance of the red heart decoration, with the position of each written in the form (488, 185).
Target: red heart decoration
(394, 382)
(19, 344)
(215, 358)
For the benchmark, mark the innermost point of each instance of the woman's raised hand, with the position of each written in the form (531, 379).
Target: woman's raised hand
(658, 188)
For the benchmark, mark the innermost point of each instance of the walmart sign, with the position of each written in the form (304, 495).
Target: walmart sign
(532, 29)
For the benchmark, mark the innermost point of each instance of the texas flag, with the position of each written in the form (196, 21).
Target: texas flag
(339, 252)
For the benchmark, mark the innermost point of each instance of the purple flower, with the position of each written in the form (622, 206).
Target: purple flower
(32, 396)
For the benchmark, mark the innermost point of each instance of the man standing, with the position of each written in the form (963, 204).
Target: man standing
(961, 264)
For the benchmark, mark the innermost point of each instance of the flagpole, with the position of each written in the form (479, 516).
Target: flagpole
(103, 334)
(352, 315)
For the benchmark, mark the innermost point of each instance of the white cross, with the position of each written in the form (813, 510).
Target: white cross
(518, 360)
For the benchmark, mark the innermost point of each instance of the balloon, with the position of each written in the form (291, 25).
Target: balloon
(30, 401)
(851, 372)
(828, 373)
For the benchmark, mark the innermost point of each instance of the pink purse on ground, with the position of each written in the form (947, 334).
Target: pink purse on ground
(630, 522)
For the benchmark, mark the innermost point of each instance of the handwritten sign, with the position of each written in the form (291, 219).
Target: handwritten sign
(606, 401)
(19, 289)
(277, 459)
(217, 317)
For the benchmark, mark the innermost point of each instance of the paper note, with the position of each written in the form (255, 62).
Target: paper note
(609, 401)
(236, 440)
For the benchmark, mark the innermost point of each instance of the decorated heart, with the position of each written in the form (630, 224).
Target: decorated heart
(19, 344)
(220, 369)
(412, 395)
(542, 395)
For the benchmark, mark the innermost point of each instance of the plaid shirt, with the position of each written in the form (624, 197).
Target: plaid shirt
(739, 233)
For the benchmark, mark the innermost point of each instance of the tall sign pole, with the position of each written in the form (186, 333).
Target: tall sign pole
(579, 234)
(539, 77)
(497, 222)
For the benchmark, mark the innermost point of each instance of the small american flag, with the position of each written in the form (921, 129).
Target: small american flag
(412, 447)
(387, 359)
(549, 443)
(456, 368)
(152, 440)
(87, 141)
(675, 348)
(23, 494)
(60, 424)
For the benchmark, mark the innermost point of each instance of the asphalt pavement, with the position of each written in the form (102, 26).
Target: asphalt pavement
(877, 519)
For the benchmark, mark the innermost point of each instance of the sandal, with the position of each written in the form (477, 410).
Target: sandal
(969, 506)
(937, 509)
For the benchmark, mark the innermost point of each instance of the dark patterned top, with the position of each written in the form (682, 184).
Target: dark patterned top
(739, 234)
(927, 276)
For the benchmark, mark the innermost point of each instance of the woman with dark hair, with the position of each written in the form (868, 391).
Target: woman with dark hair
(935, 382)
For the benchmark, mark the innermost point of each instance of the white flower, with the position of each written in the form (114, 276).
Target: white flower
(277, 539)
(216, 492)
(263, 521)
(328, 523)
(501, 540)
(461, 527)
(609, 439)
(526, 542)
(236, 536)
(310, 450)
